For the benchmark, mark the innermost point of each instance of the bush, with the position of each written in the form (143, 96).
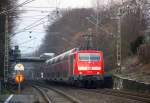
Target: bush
(135, 44)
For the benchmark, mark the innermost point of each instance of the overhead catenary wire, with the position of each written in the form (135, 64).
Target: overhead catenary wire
(28, 46)
(20, 5)
(38, 7)
(27, 19)
(27, 16)
(28, 29)
(27, 41)
(36, 21)
(31, 25)
(34, 10)
(34, 24)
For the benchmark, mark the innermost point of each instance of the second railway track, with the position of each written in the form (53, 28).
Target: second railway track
(142, 98)
(53, 95)
(125, 94)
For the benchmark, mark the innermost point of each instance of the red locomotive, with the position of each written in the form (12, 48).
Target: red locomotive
(78, 67)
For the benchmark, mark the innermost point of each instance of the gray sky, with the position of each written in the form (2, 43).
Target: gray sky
(29, 40)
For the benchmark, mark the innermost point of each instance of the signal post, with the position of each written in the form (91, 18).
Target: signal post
(19, 75)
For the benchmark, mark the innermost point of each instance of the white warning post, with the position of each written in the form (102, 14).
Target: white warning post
(19, 67)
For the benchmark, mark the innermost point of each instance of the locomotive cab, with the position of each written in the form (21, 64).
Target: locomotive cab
(88, 67)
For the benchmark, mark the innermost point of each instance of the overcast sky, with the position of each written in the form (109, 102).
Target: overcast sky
(29, 40)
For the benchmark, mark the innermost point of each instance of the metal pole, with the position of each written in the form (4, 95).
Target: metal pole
(97, 17)
(0, 87)
(120, 15)
(6, 50)
(19, 88)
(97, 21)
(119, 41)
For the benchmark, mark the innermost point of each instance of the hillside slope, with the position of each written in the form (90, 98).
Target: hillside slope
(136, 70)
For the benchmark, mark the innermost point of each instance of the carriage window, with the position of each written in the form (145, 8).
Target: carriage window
(89, 57)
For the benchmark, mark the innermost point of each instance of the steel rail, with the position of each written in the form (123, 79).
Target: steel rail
(117, 93)
(61, 93)
(43, 94)
(125, 94)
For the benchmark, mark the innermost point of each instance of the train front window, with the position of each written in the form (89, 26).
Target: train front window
(89, 57)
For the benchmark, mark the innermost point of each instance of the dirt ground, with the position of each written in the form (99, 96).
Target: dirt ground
(134, 69)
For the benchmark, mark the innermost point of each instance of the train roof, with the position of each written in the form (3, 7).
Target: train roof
(61, 56)
(70, 52)
(84, 51)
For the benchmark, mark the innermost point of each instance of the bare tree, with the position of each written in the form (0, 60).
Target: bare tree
(66, 32)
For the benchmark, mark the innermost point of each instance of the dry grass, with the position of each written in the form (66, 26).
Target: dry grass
(137, 70)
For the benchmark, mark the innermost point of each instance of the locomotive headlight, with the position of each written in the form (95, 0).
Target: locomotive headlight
(89, 68)
(98, 73)
(82, 68)
(96, 68)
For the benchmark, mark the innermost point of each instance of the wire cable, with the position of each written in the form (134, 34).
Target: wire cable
(26, 29)
(27, 41)
(31, 25)
(38, 7)
(20, 5)
(27, 16)
(33, 10)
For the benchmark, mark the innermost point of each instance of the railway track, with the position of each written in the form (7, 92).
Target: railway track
(30, 94)
(145, 98)
(118, 93)
(125, 94)
(53, 95)
(43, 94)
